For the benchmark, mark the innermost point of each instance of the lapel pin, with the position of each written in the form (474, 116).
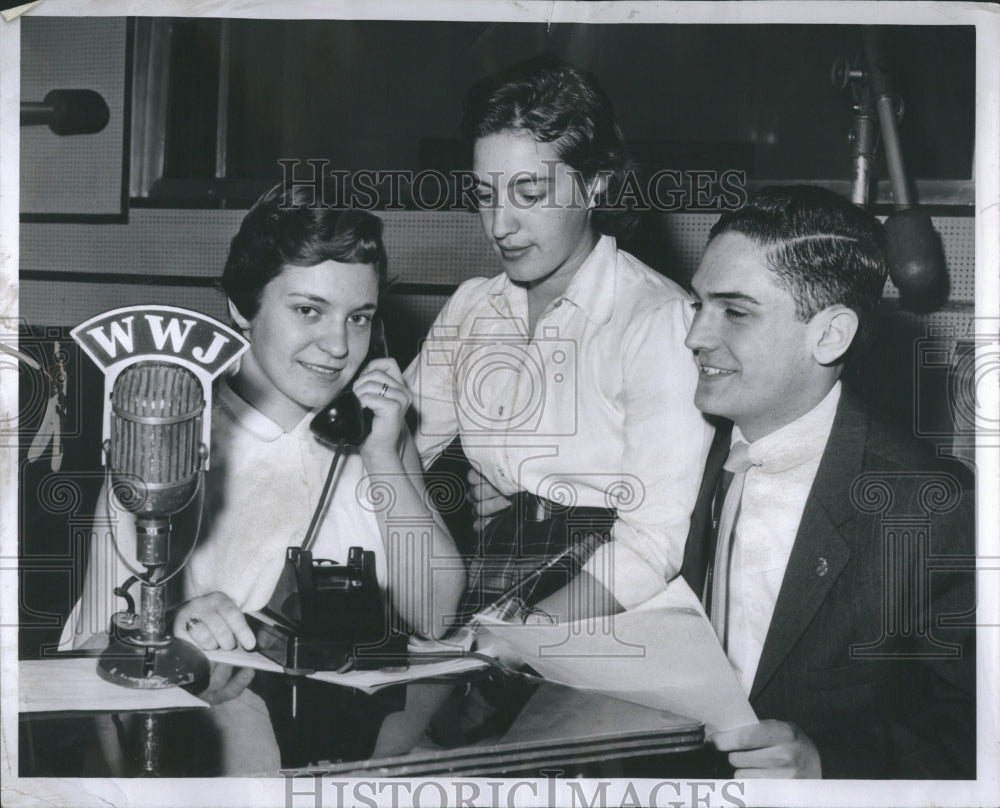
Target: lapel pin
(822, 567)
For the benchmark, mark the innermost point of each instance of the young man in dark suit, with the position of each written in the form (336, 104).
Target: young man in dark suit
(837, 568)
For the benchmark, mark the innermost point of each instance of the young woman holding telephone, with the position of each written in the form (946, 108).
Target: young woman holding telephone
(302, 285)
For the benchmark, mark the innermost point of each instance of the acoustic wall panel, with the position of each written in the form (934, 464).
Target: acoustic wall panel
(68, 304)
(427, 248)
(443, 247)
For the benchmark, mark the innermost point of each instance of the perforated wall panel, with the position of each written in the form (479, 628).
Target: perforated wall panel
(687, 233)
(428, 248)
(437, 247)
(54, 303)
(154, 242)
(75, 174)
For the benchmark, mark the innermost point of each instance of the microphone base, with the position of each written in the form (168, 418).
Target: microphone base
(153, 667)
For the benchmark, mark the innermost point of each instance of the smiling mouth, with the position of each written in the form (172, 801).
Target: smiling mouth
(714, 373)
(323, 371)
(513, 253)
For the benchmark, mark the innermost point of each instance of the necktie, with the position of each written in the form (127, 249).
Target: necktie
(738, 462)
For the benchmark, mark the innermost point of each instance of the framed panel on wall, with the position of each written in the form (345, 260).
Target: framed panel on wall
(223, 106)
(75, 73)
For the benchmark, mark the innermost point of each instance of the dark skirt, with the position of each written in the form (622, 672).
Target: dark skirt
(526, 536)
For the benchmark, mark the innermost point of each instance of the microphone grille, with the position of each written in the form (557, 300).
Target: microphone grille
(156, 416)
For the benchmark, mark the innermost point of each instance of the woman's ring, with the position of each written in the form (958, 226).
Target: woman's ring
(385, 388)
(191, 623)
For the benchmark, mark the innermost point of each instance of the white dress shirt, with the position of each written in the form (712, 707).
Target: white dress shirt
(774, 496)
(261, 490)
(596, 408)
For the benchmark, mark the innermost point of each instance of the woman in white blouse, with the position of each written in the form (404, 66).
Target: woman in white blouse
(302, 284)
(566, 375)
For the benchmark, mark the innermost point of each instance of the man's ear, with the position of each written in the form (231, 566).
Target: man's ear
(833, 331)
(238, 318)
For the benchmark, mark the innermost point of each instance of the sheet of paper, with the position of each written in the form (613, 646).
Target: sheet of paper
(363, 680)
(663, 654)
(568, 715)
(72, 683)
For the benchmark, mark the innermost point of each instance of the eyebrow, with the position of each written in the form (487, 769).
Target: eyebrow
(532, 179)
(737, 296)
(309, 297)
(318, 299)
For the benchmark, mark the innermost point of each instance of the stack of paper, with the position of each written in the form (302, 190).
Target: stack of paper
(663, 654)
(428, 660)
(72, 683)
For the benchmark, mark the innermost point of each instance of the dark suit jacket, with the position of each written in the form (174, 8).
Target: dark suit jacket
(871, 648)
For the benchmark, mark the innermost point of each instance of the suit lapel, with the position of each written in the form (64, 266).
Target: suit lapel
(822, 543)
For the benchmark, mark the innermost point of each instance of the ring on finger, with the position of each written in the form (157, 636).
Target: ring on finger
(384, 390)
(191, 623)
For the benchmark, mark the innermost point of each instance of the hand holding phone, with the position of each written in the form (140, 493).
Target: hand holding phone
(384, 395)
(343, 419)
(377, 399)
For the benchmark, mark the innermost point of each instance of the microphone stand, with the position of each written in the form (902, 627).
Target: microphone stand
(142, 653)
(916, 259)
(880, 83)
(864, 137)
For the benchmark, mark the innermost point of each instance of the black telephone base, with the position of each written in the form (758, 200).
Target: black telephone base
(299, 653)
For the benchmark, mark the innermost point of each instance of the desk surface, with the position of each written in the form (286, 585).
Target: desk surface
(473, 724)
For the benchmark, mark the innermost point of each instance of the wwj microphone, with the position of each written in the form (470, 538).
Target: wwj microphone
(154, 456)
(156, 412)
(159, 364)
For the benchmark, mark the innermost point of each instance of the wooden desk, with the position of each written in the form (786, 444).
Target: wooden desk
(278, 722)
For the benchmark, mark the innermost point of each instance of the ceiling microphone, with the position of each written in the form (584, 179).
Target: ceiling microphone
(916, 258)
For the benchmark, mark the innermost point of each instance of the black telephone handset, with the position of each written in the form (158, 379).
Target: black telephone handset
(344, 419)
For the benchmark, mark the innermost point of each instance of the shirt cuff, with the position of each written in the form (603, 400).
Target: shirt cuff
(624, 574)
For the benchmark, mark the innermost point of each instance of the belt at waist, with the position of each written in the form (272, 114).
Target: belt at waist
(529, 507)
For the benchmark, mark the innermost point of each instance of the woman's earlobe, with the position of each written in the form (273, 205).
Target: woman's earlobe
(595, 189)
(238, 318)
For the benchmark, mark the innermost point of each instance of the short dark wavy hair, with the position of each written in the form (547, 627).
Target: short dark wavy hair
(285, 227)
(558, 104)
(823, 249)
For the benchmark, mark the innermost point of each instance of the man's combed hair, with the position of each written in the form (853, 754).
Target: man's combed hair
(285, 228)
(823, 249)
(559, 104)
